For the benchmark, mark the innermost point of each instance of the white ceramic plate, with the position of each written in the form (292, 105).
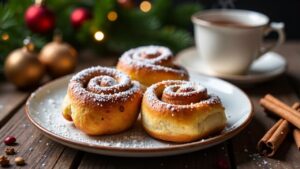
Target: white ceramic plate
(263, 69)
(43, 109)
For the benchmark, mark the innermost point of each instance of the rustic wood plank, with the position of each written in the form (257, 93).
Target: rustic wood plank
(291, 51)
(70, 158)
(244, 145)
(208, 158)
(36, 149)
(10, 100)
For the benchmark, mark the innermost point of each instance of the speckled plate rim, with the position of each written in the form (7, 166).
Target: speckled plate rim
(141, 152)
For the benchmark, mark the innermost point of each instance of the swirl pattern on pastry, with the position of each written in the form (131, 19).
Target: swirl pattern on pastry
(102, 101)
(151, 64)
(181, 111)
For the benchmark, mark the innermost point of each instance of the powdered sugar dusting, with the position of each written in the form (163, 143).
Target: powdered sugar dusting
(152, 94)
(187, 88)
(101, 85)
(158, 63)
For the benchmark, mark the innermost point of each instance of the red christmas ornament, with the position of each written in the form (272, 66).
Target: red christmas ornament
(127, 4)
(79, 16)
(39, 18)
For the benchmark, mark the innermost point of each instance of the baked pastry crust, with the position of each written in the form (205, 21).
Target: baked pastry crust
(181, 111)
(151, 64)
(102, 101)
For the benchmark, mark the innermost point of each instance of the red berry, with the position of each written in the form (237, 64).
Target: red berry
(9, 140)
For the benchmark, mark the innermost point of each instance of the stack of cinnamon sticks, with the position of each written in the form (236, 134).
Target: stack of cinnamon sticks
(271, 141)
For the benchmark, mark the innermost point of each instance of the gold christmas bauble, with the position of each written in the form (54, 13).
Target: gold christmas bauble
(59, 58)
(23, 68)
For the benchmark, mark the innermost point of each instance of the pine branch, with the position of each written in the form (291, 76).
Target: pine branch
(132, 28)
(181, 15)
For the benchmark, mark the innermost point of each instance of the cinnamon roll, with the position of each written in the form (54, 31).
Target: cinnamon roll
(181, 111)
(102, 101)
(151, 64)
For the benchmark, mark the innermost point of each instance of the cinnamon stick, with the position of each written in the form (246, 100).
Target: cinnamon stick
(271, 141)
(296, 135)
(296, 131)
(281, 109)
(279, 103)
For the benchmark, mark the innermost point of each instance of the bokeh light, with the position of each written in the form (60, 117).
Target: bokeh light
(112, 16)
(5, 36)
(145, 6)
(99, 36)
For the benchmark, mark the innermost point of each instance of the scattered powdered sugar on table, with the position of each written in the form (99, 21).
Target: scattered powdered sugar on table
(260, 161)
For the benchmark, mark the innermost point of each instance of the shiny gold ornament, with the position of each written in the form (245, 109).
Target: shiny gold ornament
(22, 66)
(59, 58)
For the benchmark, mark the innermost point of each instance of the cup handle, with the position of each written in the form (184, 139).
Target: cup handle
(277, 27)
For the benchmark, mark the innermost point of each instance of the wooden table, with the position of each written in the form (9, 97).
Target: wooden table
(239, 152)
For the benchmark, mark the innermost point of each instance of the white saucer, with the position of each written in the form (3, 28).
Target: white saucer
(265, 68)
(43, 109)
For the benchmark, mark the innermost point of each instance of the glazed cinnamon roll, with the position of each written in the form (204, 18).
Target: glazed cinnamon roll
(151, 64)
(102, 101)
(181, 111)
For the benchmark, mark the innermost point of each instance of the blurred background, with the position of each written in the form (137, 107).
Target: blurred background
(153, 20)
(114, 26)
(59, 29)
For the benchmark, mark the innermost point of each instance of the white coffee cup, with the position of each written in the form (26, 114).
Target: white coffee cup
(228, 41)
